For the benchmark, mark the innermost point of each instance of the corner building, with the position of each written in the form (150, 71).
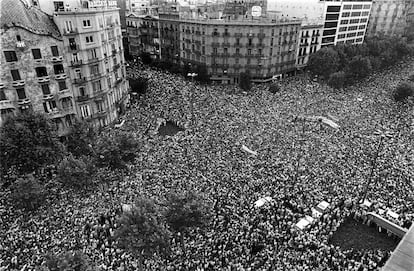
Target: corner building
(264, 48)
(92, 40)
(34, 73)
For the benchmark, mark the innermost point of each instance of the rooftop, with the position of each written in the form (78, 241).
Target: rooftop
(16, 13)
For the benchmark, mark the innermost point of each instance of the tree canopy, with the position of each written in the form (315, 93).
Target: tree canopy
(28, 142)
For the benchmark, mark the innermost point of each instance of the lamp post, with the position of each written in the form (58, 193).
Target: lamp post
(192, 75)
(380, 146)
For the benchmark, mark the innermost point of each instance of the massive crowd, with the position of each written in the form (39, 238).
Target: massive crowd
(298, 164)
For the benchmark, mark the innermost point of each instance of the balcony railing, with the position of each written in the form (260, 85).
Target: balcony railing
(57, 59)
(82, 98)
(43, 79)
(18, 83)
(75, 63)
(80, 80)
(24, 101)
(60, 76)
(48, 96)
(73, 31)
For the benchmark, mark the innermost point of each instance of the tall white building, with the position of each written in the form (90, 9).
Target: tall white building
(343, 21)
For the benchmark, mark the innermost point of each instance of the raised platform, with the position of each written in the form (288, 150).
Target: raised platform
(402, 258)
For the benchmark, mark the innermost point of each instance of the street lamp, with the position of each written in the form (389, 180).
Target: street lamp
(380, 146)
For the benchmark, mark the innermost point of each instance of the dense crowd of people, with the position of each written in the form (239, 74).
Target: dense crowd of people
(298, 164)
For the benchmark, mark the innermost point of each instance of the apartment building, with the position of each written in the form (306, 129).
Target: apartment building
(265, 47)
(71, 66)
(91, 33)
(310, 39)
(34, 73)
(345, 22)
(389, 17)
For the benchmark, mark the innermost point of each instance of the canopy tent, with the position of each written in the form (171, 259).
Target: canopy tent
(322, 206)
(392, 214)
(302, 224)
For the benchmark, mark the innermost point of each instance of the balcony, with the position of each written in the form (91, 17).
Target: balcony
(114, 51)
(73, 47)
(18, 83)
(99, 114)
(2, 85)
(23, 102)
(64, 93)
(60, 76)
(76, 63)
(57, 59)
(92, 60)
(81, 80)
(49, 96)
(83, 98)
(69, 32)
(6, 104)
(43, 79)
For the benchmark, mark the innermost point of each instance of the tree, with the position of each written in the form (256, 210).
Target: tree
(81, 136)
(411, 78)
(76, 172)
(202, 74)
(359, 67)
(67, 261)
(186, 210)
(403, 91)
(142, 231)
(146, 58)
(139, 84)
(245, 81)
(324, 62)
(337, 80)
(115, 151)
(27, 192)
(28, 142)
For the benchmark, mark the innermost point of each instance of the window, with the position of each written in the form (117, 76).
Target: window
(341, 36)
(225, 51)
(18, 38)
(260, 51)
(328, 40)
(36, 54)
(82, 91)
(59, 5)
(344, 21)
(49, 106)
(21, 93)
(331, 24)
(89, 39)
(347, 6)
(15, 75)
(346, 14)
(41, 71)
(354, 21)
(68, 26)
(215, 50)
(55, 51)
(45, 89)
(99, 106)
(67, 103)
(86, 23)
(356, 14)
(329, 32)
(333, 8)
(350, 35)
(250, 42)
(249, 51)
(10, 56)
(2, 95)
(92, 54)
(331, 17)
(237, 41)
(362, 26)
(365, 13)
(62, 85)
(358, 40)
(94, 69)
(58, 69)
(357, 7)
(367, 7)
(360, 34)
(85, 110)
(237, 51)
(364, 20)
(96, 86)
(352, 28)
